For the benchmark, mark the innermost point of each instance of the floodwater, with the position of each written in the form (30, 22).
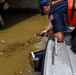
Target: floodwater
(17, 40)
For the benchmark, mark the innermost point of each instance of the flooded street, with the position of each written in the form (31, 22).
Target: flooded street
(17, 40)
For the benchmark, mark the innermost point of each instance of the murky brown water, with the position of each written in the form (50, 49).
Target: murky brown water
(17, 40)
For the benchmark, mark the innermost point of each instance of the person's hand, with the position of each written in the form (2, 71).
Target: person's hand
(44, 33)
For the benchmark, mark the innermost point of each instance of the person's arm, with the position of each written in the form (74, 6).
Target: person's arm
(58, 35)
(49, 27)
(58, 26)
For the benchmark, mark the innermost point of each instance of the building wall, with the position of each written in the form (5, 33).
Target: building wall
(1, 1)
(23, 4)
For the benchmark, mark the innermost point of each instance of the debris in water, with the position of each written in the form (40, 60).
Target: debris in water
(34, 35)
(20, 72)
(26, 44)
(1, 53)
(38, 37)
(21, 47)
(2, 41)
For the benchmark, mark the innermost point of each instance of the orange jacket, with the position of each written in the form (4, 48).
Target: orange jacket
(71, 13)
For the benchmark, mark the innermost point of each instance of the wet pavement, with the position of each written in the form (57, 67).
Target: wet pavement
(17, 40)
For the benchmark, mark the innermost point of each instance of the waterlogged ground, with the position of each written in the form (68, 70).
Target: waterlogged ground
(17, 40)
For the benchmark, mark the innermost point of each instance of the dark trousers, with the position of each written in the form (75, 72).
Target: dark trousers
(73, 34)
(73, 47)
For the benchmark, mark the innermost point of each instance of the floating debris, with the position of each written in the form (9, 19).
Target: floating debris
(21, 47)
(20, 72)
(1, 53)
(2, 41)
(38, 37)
(34, 35)
(26, 44)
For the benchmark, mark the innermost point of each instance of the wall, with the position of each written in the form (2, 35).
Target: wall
(24, 4)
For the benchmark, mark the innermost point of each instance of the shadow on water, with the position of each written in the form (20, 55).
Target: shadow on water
(13, 16)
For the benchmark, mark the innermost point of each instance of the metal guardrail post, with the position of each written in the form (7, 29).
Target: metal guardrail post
(56, 52)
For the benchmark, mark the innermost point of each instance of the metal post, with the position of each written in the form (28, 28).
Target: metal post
(56, 52)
